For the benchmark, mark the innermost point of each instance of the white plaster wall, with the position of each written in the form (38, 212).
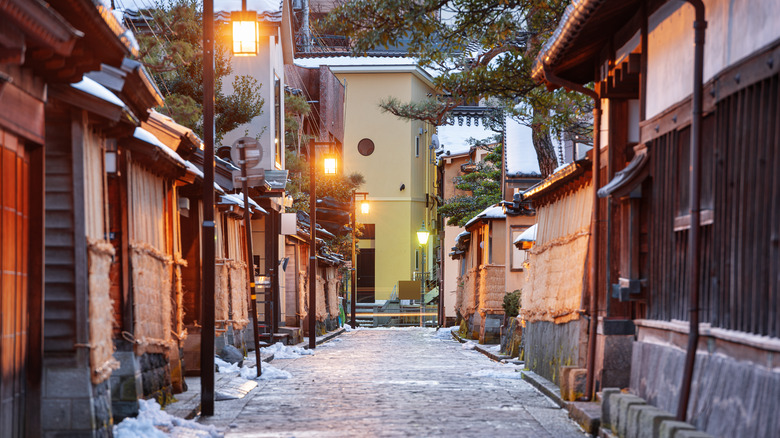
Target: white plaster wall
(451, 270)
(262, 67)
(735, 29)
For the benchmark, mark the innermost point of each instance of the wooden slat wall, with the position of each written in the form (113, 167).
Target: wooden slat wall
(740, 259)
(60, 310)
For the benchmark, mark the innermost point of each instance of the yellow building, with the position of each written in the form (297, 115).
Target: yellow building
(395, 157)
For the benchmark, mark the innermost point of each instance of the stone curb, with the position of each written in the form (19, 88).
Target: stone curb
(491, 355)
(586, 414)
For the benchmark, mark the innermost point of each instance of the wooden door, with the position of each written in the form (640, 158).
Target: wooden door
(14, 244)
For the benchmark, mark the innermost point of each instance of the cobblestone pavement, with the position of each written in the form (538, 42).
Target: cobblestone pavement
(408, 382)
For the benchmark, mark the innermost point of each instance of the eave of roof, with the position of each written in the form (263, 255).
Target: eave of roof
(568, 173)
(572, 52)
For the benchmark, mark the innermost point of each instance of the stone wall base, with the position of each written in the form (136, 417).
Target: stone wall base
(548, 347)
(729, 397)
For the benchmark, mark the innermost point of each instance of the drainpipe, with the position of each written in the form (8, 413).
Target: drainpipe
(693, 233)
(594, 233)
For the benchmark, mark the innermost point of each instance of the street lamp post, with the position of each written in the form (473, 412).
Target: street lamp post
(422, 238)
(207, 304)
(330, 166)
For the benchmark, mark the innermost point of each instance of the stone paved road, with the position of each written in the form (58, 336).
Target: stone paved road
(408, 382)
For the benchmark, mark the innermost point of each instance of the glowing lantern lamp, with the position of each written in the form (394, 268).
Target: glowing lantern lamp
(330, 165)
(422, 235)
(364, 207)
(246, 31)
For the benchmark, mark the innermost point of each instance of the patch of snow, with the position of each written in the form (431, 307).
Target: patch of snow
(443, 334)
(226, 367)
(281, 351)
(251, 5)
(153, 422)
(194, 169)
(270, 372)
(144, 135)
(520, 153)
(91, 87)
(529, 235)
(497, 374)
(453, 138)
(468, 345)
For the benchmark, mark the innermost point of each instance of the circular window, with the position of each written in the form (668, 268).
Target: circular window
(366, 147)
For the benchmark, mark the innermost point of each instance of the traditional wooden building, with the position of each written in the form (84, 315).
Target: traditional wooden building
(687, 256)
(481, 250)
(555, 272)
(54, 358)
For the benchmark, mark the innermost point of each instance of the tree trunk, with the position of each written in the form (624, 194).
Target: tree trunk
(545, 152)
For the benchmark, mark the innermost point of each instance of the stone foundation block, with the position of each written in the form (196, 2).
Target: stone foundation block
(618, 413)
(606, 401)
(692, 434)
(573, 381)
(649, 421)
(670, 429)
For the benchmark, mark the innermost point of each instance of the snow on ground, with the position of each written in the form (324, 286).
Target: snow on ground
(152, 422)
(444, 333)
(497, 374)
(281, 351)
(269, 372)
(468, 345)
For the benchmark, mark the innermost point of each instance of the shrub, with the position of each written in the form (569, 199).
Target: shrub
(511, 303)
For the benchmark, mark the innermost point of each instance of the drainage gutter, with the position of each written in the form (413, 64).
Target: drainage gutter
(695, 190)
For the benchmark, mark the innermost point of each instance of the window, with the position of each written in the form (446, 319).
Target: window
(417, 146)
(417, 260)
(519, 256)
(279, 155)
(366, 147)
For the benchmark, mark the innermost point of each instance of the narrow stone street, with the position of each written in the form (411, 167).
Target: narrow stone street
(404, 382)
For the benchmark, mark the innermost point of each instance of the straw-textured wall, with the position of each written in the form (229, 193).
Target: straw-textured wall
(491, 288)
(333, 296)
(469, 296)
(152, 281)
(222, 291)
(239, 294)
(556, 278)
(322, 308)
(303, 293)
(178, 287)
(556, 272)
(101, 317)
(459, 291)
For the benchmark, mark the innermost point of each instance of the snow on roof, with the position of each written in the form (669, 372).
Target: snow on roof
(238, 199)
(521, 157)
(89, 86)
(492, 212)
(194, 169)
(452, 138)
(148, 137)
(251, 5)
(529, 235)
(355, 61)
(370, 63)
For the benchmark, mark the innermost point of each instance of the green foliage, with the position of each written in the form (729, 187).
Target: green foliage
(479, 49)
(339, 187)
(511, 303)
(483, 187)
(172, 51)
(296, 108)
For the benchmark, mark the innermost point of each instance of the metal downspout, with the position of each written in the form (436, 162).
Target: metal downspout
(594, 233)
(693, 233)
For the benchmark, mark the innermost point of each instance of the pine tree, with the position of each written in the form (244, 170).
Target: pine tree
(478, 49)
